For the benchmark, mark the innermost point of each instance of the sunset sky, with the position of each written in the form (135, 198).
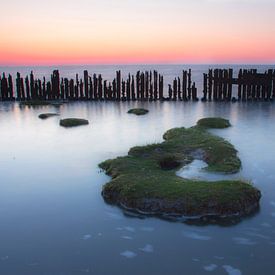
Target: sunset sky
(56, 32)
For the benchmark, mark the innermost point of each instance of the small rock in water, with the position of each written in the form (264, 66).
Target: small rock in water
(147, 248)
(231, 270)
(210, 267)
(128, 254)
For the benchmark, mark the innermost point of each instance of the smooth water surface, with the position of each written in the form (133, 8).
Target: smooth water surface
(54, 220)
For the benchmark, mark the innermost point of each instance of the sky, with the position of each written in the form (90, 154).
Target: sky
(60, 32)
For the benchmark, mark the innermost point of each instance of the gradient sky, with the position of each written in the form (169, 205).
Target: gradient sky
(55, 32)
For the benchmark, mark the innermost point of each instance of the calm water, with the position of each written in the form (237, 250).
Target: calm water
(54, 220)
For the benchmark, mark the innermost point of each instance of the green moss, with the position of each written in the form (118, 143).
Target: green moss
(138, 111)
(47, 115)
(141, 182)
(73, 122)
(214, 122)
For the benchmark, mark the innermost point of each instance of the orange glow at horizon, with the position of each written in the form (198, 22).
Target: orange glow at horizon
(130, 33)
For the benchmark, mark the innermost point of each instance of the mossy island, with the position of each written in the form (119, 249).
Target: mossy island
(214, 122)
(73, 122)
(47, 115)
(145, 180)
(138, 111)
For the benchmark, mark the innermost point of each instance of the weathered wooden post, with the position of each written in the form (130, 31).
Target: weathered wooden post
(189, 84)
(49, 89)
(105, 90)
(44, 95)
(147, 85)
(194, 92)
(10, 88)
(205, 87)
(114, 91)
(91, 89)
(269, 84)
(220, 79)
(138, 84)
(128, 89)
(118, 84)
(179, 89)
(81, 89)
(133, 88)
(23, 96)
(216, 83)
(86, 84)
(27, 88)
(62, 89)
(142, 83)
(18, 86)
(244, 89)
(123, 90)
(66, 81)
(95, 82)
(32, 85)
(225, 83)
(71, 88)
(230, 82)
(240, 80)
(175, 89)
(273, 84)
(161, 86)
(210, 84)
(184, 85)
(170, 92)
(100, 87)
(155, 85)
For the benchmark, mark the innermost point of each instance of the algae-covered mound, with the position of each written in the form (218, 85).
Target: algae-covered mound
(138, 111)
(73, 122)
(145, 180)
(47, 115)
(214, 122)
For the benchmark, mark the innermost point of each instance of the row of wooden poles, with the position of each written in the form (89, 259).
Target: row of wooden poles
(218, 85)
(142, 86)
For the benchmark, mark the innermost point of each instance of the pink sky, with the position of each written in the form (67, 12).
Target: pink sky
(128, 31)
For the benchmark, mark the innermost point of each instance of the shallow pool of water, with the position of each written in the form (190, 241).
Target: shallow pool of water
(197, 170)
(54, 220)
